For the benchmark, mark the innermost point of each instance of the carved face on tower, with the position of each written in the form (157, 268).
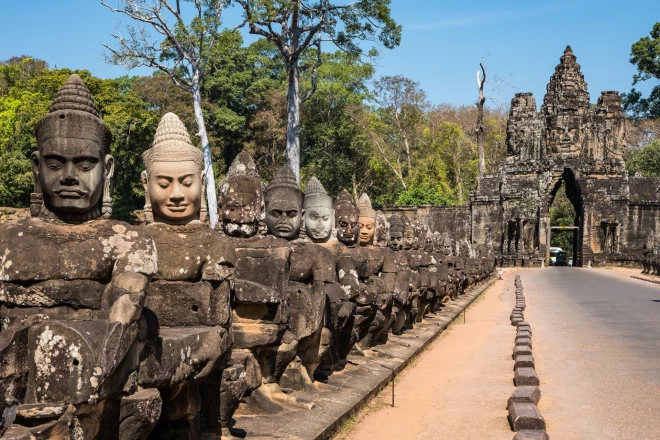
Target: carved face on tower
(318, 214)
(347, 219)
(284, 202)
(564, 134)
(71, 168)
(397, 228)
(367, 221)
(173, 176)
(241, 198)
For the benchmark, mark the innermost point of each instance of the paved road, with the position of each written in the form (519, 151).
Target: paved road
(596, 336)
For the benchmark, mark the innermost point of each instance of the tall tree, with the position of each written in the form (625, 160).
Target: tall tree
(298, 28)
(645, 54)
(481, 81)
(181, 50)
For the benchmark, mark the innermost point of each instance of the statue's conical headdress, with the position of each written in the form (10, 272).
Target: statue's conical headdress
(73, 114)
(396, 224)
(172, 144)
(284, 186)
(344, 201)
(364, 207)
(315, 194)
(243, 165)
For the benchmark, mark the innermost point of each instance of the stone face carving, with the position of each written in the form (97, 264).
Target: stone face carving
(241, 198)
(347, 219)
(382, 230)
(73, 308)
(396, 233)
(72, 168)
(284, 202)
(173, 177)
(318, 212)
(367, 220)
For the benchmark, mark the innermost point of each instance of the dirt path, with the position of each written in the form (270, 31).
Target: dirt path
(459, 388)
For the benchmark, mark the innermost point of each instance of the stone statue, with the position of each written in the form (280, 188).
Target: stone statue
(347, 219)
(318, 212)
(189, 296)
(375, 305)
(448, 244)
(241, 198)
(72, 168)
(284, 202)
(367, 220)
(382, 230)
(73, 309)
(173, 178)
(399, 265)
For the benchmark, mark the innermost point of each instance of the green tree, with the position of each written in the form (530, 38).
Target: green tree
(299, 29)
(645, 161)
(645, 55)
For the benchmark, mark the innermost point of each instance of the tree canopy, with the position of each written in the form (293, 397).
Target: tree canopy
(645, 55)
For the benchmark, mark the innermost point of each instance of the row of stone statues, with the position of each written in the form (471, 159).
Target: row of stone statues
(159, 331)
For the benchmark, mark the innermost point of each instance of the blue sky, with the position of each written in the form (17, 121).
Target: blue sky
(443, 42)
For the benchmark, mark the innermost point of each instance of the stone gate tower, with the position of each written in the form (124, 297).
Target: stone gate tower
(583, 145)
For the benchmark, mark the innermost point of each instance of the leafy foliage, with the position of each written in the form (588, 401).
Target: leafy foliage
(645, 161)
(645, 54)
(562, 213)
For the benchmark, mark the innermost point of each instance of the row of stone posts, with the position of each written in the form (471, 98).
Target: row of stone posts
(111, 330)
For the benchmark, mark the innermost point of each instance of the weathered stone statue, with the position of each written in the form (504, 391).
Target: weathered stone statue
(241, 198)
(284, 205)
(72, 289)
(376, 275)
(260, 304)
(341, 305)
(189, 296)
(401, 283)
(318, 212)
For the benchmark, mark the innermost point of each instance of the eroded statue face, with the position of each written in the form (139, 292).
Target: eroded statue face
(318, 222)
(347, 228)
(408, 239)
(241, 207)
(175, 190)
(71, 173)
(367, 230)
(396, 241)
(283, 218)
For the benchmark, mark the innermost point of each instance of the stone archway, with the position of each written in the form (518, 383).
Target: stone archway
(574, 194)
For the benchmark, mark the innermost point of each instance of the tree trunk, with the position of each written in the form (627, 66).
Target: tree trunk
(292, 153)
(212, 200)
(480, 123)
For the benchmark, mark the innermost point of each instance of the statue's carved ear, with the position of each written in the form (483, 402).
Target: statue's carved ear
(109, 166)
(302, 215)
(36, 159)
(144, 176)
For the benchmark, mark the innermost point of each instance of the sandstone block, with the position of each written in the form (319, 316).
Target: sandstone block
(525, 416)
(523, 334)
(531, 434)
(525, 394)
(526, 361)
(524, 341)
(521, 350)
(525, 376)
(139, 413)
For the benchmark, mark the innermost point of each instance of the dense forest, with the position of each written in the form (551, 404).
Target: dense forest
(359, 131)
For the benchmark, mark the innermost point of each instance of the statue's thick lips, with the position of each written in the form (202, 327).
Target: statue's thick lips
(177, 208)
(70, 193)
(283, 228)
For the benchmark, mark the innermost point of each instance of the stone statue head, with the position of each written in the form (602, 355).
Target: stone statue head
(241, 198)
(565, 134)
(397, 228)
(367, 220)
(382, 230)
(284, 201)
(447, 244)
(72, 168)
(347, 218)
(173, 176)
(318, 213)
